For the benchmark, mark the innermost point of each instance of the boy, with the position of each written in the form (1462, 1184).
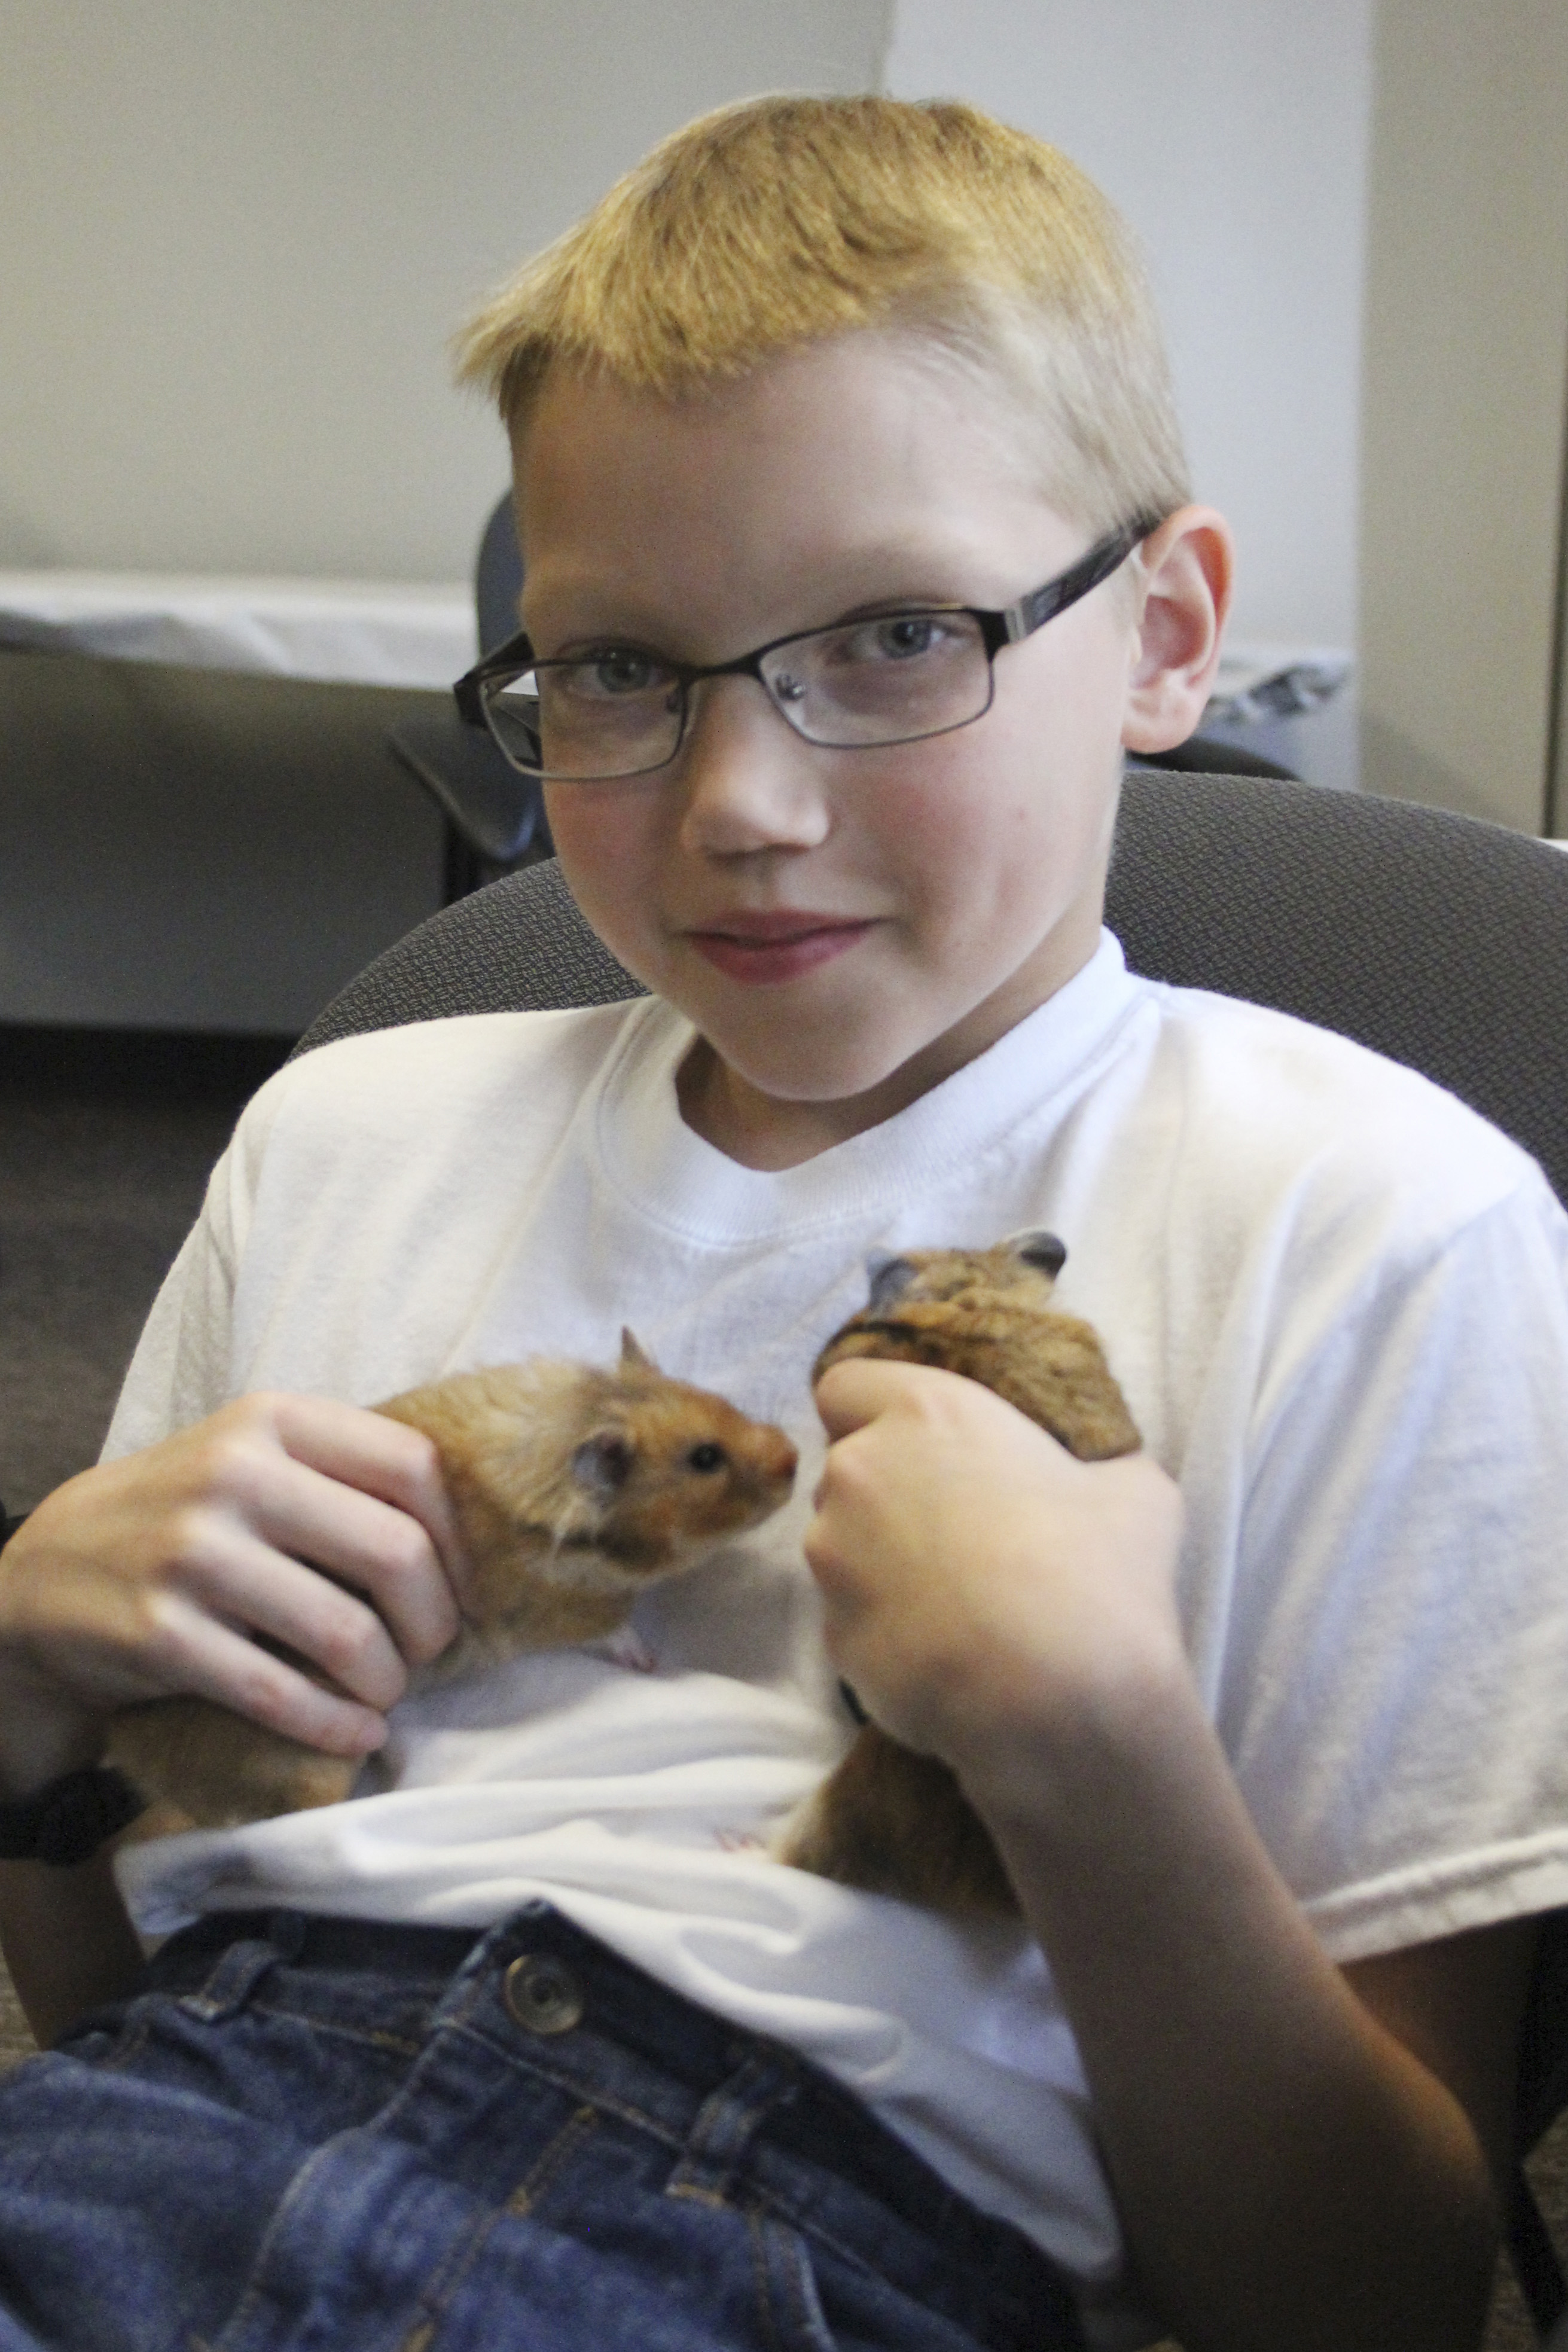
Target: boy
(510, 2050)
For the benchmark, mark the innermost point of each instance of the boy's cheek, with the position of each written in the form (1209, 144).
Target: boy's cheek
(599, 841)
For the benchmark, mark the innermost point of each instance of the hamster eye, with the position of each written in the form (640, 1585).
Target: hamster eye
(706, 1458)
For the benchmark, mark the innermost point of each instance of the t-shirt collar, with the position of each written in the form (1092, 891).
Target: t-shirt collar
(654, 1158)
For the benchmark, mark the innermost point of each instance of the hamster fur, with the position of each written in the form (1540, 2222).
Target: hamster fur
(887, 1819)
(573, 1488)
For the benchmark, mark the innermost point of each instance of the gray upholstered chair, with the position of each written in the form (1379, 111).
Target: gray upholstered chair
(1436, 939)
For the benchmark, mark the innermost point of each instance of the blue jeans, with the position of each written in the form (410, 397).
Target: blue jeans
(332, 2135)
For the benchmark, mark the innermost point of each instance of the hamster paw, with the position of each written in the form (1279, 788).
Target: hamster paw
(624, 1647)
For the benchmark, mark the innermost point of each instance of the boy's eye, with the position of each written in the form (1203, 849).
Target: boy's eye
(611, 674)
(912, 632)
(896, 637)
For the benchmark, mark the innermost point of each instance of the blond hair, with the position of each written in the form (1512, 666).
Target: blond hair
(780, 222)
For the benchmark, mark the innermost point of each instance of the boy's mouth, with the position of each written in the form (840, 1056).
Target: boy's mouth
(765, 949)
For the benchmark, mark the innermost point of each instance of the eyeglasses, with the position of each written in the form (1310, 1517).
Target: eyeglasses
(887, 677)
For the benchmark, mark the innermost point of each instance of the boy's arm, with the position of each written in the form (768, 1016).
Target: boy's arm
(1301, 2154)
(1298, 2154)
(67, 1942)
(151, 1574)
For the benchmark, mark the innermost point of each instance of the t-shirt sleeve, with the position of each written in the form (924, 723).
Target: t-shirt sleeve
(1394, 1697)
(183, 1367)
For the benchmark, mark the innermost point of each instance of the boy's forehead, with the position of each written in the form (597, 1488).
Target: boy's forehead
(900, 389)
(846, 469)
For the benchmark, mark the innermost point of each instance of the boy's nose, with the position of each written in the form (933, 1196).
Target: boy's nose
(749, 782)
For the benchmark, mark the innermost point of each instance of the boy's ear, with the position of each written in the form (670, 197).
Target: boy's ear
(1188, 566)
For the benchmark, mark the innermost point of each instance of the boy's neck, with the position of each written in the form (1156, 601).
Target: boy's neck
(758, 1130)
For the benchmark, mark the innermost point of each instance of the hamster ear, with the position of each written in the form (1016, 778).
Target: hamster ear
(603, 1462)
(1041, 1249)
(889, 1278)
(631, 1353)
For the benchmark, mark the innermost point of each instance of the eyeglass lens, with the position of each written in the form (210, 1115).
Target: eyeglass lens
(887, 679)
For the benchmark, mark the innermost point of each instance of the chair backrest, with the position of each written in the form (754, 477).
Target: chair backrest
(492, 815)
(1435, 938)
(498, 578)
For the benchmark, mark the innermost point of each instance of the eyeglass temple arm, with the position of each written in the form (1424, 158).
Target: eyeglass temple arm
(1106, 556)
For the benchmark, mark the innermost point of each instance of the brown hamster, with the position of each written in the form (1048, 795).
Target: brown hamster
(574, 1489)
(888, 1819)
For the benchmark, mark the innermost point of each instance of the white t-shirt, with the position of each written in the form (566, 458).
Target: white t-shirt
(1337, 1303)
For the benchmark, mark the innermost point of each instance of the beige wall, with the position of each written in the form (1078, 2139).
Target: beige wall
(238, 234)
(1467, 363)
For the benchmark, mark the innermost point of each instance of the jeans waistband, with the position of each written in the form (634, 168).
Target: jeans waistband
(733, 2105)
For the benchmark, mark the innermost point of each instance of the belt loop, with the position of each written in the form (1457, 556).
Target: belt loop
(286, 1933)
(241, 1968)
(726, 2124)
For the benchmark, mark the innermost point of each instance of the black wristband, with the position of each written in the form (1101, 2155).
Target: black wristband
(67, 1822)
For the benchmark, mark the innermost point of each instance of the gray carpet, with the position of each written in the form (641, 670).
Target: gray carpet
(105, 1144)
(106, 1140)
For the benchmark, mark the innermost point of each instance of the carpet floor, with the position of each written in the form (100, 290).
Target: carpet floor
(106, 1139)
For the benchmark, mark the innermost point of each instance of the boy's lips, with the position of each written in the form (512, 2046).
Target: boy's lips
(764, 948)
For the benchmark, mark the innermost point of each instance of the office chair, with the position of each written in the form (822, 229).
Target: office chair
(493, 818)
(498, 576)
(1435, 938)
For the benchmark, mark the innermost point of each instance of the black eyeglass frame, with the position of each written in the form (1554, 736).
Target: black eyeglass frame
(1006, 625)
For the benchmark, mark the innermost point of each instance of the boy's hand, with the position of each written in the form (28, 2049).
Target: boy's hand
(149, 1576)
(981, 1585)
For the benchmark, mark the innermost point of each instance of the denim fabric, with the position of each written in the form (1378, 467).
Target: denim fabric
(327, 2136)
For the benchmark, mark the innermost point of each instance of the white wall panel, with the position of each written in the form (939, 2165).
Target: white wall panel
(1232, 134)
(1466, 387)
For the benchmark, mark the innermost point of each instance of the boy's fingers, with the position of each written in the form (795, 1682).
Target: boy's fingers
(365, 1450)
(350, 1492)
(243, 1582)
(855, 1391)
(949, 1406)
(379, 1550)
(210, 1659)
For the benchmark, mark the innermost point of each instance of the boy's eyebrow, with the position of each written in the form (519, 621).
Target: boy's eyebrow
(648, 640)
(927, 580)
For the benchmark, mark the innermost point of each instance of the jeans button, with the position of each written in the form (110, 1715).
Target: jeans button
(541, 1995)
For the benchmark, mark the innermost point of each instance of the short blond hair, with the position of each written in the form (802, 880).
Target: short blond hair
(780, 222)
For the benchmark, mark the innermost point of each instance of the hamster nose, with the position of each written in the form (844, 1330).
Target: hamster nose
(786, 1459)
